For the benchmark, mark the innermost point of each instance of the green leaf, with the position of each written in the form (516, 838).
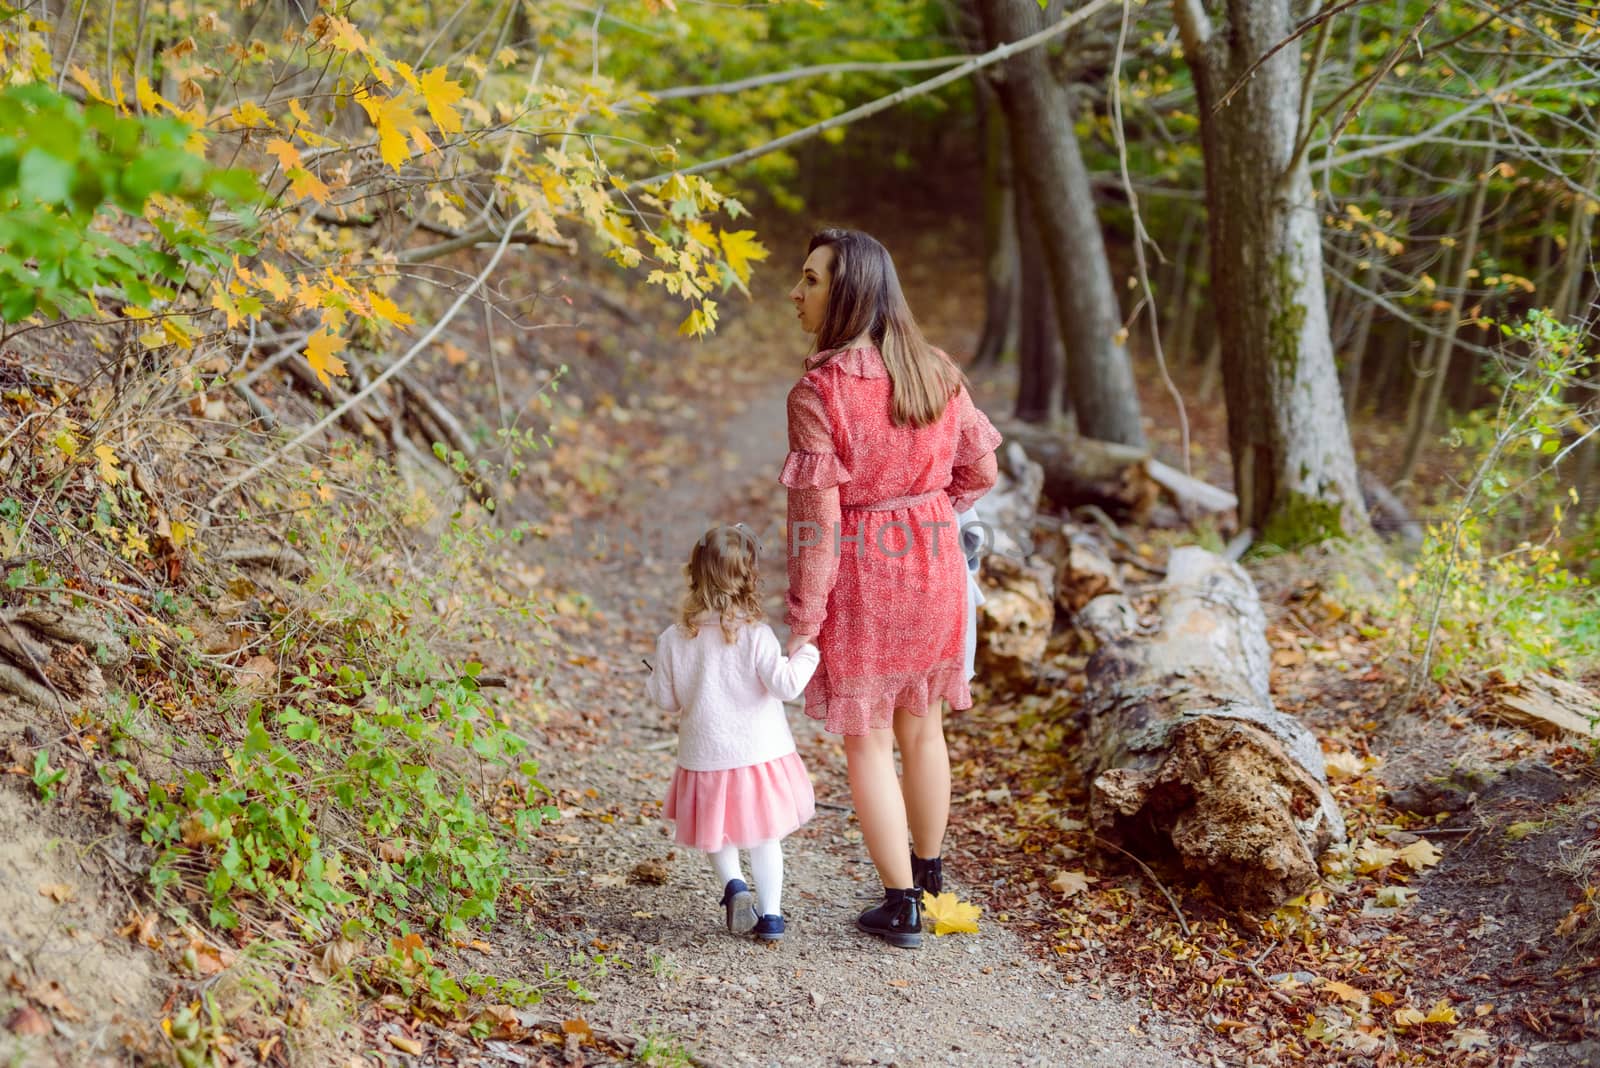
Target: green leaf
(44, 177)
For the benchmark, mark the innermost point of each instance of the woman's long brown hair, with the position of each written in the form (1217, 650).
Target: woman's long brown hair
(864, 297)
(724, 578)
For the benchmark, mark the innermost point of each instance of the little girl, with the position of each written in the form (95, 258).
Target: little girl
(739, 783)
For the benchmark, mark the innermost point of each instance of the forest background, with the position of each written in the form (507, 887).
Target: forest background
(326, 328)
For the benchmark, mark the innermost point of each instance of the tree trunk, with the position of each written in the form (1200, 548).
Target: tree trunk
(1002, 266)
(1421, 430)
(1185, 752)
(1049, 166)
(1039, 355)
(1579, 227)
(1294, 468)
(1358, 343)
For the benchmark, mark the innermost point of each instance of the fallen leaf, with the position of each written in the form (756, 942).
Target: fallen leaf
(51, 995)
(1409, 1017)
(257, 673)
(1421, 854)
(1372, 857)
(108, 464)
(902, 983)
(1442, 1012)
(1472, 1038)
(27, 1021)
(503, 1019)
(334, 958)
(652, 872)
(1344, 766)
(392, 852)
(1394, 897)
(405, 1045)
(950, 914)
(141, 927)
(60, 893)
(1069, 882)
(1346, 992)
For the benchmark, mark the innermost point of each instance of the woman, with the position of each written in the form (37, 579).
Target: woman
(885, 447)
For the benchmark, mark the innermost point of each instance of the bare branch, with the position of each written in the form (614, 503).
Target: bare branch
(478, 235)
(1299, 31)
(393, 369)
(1400, 144)
(685, 92)
(987, 59)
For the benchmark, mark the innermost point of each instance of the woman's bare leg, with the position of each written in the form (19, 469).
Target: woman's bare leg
(879, 804)
(925, 783)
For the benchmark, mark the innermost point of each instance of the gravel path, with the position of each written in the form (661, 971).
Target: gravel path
(826, 994)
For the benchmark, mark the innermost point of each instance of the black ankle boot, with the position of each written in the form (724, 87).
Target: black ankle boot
(927, 874)
(898, 921)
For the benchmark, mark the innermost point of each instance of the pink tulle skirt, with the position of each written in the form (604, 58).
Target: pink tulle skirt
(742, 807)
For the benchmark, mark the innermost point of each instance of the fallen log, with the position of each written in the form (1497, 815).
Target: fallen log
(1086, 471)
(1549, 706)
(1185, 753)
(1123, 480)
(48, 655)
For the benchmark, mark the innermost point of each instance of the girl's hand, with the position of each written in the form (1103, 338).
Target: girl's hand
(796, 644)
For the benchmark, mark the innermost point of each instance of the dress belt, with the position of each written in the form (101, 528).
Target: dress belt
(893, 503)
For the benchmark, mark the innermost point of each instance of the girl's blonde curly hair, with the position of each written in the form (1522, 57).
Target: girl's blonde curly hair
(724, 578)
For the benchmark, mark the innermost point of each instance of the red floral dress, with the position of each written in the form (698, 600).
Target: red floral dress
(876, 573)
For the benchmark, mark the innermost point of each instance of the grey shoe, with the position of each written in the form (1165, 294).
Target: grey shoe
(739, 901)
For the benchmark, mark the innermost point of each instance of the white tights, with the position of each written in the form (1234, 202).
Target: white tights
(766, 865)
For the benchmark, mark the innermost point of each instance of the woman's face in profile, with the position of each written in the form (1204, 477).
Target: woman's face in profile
(810, 295)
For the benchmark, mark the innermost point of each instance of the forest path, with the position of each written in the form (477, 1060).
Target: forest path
(827, 994)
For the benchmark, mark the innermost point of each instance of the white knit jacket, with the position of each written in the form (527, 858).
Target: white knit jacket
(730, 696)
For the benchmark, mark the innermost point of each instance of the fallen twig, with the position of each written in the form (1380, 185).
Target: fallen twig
(1183, 924)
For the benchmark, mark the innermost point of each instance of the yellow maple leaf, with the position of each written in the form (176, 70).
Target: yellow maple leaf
(302, 183)
(221, 301)
(409, 75)
(1442, 1012)
(387, 310)
(740, 248)
(176, 334)
(1421, 854)
(1409, 1017)
(287, 155)
(1371, 857)
(440, 94)
(108, 464)
(695, 324)
(150, 100)
(394, 119)
(250, 114)
(320, 350)
(344, 36)
(89, 84)
(950, 914)
(274, 281)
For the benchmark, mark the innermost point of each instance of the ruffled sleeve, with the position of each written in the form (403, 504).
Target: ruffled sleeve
(813, 472)
(973, 470)
(978, 435)
(812, 462)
